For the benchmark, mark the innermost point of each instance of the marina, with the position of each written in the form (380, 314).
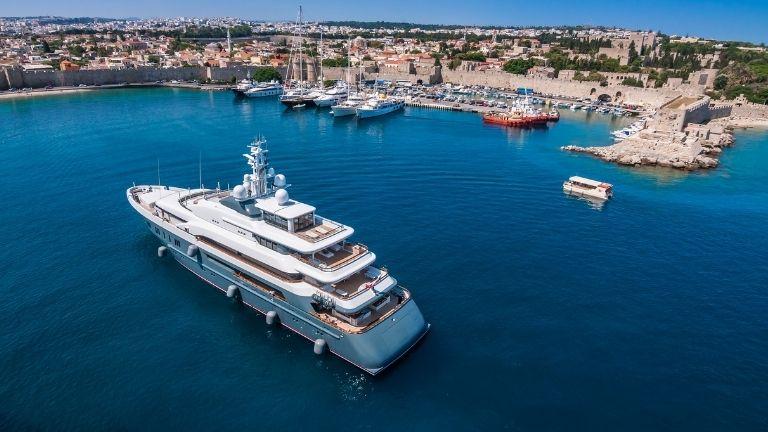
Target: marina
(421, 187)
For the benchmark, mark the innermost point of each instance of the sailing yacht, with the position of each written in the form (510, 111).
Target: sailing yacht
(301, 94)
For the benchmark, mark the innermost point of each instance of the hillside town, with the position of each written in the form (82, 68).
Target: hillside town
(691, 92)
(605, 57)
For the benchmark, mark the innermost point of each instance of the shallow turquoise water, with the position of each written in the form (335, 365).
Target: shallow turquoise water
(547, 314)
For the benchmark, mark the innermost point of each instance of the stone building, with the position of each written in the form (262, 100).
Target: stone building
(705, 77)
(541, 72)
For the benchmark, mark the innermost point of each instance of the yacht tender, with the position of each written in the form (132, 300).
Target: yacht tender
(277, 256)
(587, 187)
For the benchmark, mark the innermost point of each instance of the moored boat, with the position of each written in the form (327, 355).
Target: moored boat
(275, 255)
(587, 187)
(378, 106)
(272, 88)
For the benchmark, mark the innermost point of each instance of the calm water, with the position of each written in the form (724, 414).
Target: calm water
(547, 314)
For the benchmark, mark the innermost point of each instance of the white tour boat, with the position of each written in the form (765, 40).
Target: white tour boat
(592, 188)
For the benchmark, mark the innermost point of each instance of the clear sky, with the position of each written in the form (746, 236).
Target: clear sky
(745, 20)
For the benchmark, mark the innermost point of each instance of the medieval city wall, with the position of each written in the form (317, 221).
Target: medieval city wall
(501, 79)
(17, 78)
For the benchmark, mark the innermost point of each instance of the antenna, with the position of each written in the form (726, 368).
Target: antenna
(158, 171)
(200, 167)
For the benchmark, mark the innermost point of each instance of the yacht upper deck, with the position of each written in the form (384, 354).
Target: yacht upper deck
(293, 224)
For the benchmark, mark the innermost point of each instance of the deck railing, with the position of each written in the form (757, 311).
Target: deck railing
(362, 250)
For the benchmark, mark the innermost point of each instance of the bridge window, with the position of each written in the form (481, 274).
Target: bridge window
(276, 220)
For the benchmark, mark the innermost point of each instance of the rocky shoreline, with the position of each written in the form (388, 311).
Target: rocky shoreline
(649, 147)
(685, 133)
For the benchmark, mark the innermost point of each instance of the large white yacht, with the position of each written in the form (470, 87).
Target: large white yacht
(277, 256)
(349, 107)
(377, 106)
(243, 86)
(332, 96)
(264, 89)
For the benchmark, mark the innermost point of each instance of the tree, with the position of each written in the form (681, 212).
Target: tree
(633, 82)
(153, 59)
(721, 81)
(76, 50)
(518, 66)
(46, 47)
(267, 74)
(335, 62)
(472, 56)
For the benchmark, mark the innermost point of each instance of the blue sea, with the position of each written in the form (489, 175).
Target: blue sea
(548, 312)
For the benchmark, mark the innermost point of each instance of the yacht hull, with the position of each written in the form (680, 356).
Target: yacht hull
(264, 93)
(342, 111)
(363, 113)
(325, 103)
(372, 351)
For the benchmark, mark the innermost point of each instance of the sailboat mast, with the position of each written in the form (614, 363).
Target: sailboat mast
(320, 57)
(349, 64)
(301, 49)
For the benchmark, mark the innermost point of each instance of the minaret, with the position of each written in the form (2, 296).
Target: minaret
(229, 43)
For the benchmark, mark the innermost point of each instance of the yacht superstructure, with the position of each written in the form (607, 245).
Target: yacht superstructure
(333, 96)
(381, 105)
(279, 257)
(271, 88)
(348, 107)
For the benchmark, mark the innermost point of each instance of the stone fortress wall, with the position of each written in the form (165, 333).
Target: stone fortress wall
(745, 109)
(556, 86)
(499, 79)
(14, 77)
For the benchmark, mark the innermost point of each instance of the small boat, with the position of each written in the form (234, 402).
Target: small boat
(243, 86)
(299, 106)
(377, 106)
(587, 187)
(272, 88)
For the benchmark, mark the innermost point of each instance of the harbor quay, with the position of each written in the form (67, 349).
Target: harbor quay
(682, 128)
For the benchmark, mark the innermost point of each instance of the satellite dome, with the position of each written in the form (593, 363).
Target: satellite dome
(280, 180)
(240, 193)
(271, 172)
(282, 196)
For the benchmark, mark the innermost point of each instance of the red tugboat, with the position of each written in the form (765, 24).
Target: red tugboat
(520, 119)
(507, 119)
